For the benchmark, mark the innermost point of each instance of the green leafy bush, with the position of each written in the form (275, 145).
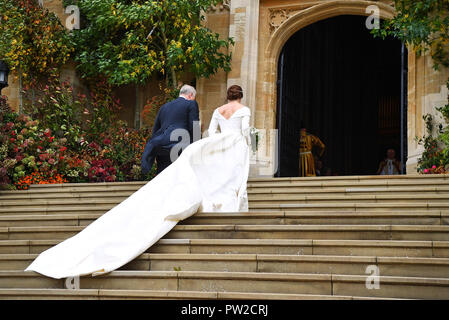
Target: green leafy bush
(433, 159)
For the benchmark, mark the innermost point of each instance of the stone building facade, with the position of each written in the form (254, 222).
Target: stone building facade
(260, 29)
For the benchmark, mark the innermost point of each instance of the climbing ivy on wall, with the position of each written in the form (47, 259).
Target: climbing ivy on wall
(33, 42)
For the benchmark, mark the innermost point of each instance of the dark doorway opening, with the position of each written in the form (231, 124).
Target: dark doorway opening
(344, 86)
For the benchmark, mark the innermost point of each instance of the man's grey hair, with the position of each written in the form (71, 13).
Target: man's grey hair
(186, 90)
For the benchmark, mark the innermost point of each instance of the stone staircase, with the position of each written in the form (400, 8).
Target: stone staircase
(303, 239)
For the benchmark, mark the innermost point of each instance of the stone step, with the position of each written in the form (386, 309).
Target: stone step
(255, 218)
(323, 217)
(342, 184)
(300, 190)
(268, 199)
(324, 232)
(52, 210)
(342, 207)
(4, 205)
(314, 184)
(124, 192)
(304, 181)
(387, 248)
(250, 282)
(440, 180)
(351, 206)
(48, 220)
(311, 264)
(64, 196)
(288, 199)
(437, 177)
(102, 294)
(256, 197)
(321, 182)
(318, 232)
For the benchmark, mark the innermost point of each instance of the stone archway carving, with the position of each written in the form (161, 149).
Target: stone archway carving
(289, 21)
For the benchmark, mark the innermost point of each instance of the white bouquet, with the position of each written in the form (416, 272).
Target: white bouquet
(254, 135)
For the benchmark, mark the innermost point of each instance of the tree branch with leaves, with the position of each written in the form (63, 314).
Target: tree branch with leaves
(33, 42)
(130, 42)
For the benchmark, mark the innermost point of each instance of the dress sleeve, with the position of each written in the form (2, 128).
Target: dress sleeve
(213, 126)
(246, 127)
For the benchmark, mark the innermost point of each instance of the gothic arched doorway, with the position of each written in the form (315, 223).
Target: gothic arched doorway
(344, 85)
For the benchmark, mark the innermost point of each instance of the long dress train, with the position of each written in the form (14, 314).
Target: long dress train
(209, 176)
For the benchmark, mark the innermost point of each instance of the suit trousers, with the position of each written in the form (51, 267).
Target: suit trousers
(162, 160)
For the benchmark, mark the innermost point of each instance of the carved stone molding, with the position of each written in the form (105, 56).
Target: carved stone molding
(224, 6)
(277, 16)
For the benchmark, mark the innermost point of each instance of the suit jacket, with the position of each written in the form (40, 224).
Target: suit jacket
(177, 114)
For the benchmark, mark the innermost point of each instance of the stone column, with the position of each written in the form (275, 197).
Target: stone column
(244, 28)
(212, 91)
(426, 92)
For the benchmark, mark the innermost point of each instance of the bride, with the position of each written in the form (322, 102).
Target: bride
(209, 176)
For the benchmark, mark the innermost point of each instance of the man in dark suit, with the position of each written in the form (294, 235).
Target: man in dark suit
(175, 124)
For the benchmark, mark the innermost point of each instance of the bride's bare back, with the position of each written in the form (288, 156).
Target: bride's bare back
(230, 108)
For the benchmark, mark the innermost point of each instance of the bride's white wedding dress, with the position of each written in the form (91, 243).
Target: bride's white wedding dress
(209, 176)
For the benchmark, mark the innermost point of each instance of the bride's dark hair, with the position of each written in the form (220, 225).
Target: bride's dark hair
(235, 92)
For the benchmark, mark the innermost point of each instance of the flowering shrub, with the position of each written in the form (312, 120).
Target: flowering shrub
(101, 109)
(150, 110)
(102, 171)
(57, 108)
(77, 168)
(33, 153)
(433, 159)
(39, 178)
(436, 170)
(120, 148)
(5, 163)
(27, 148)
(125, 147)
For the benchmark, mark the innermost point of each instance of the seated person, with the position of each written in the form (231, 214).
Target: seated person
(390, 166)
(318, 167)
(327, 172)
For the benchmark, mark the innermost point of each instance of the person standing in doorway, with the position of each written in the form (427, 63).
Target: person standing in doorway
(306, 159)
